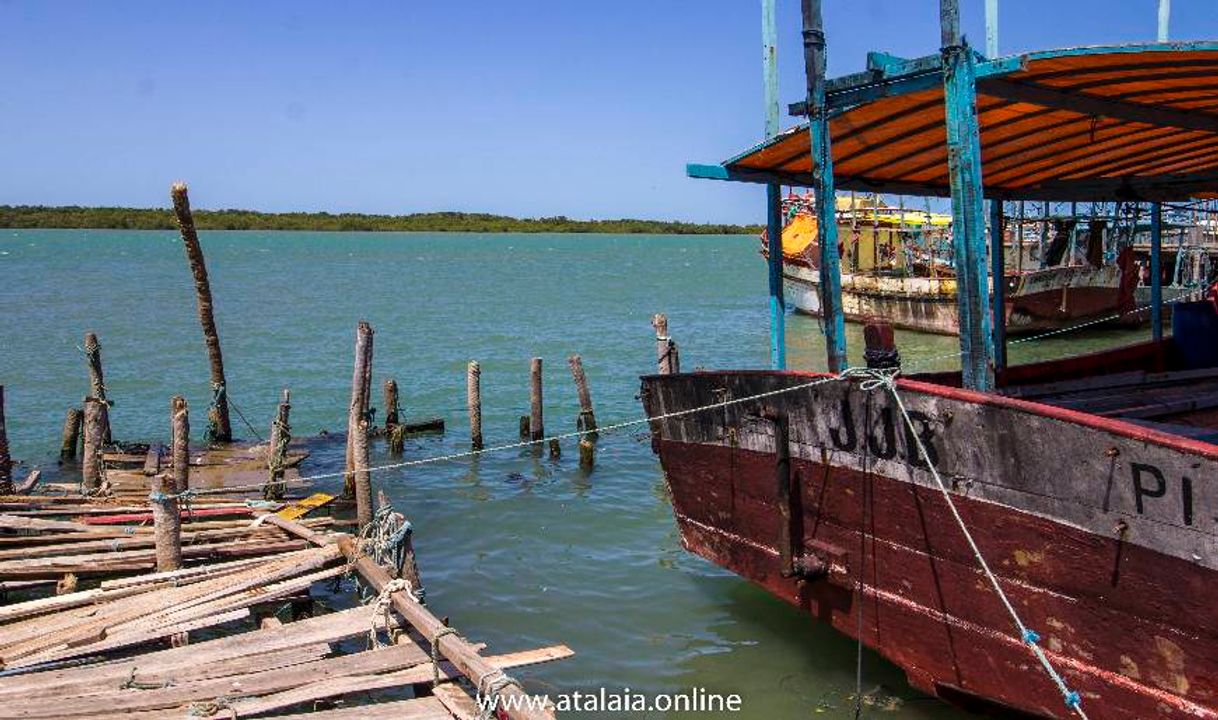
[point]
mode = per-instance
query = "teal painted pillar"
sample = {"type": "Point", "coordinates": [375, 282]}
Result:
{"type": "Point", "coordinates": [968, 215]}
{"type": "Point", "coordinates": [1156, 271]}
{"type": "Point", "coordinates": [998, 286]}
{"type": "Point", "coordinates": [822, 180]}
{"type": "Point", "coordinates": [778, 306]}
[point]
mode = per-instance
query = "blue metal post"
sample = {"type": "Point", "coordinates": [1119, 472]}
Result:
{"type": "Point", "coordinates": [1156, 271]}
{"type": "Point", "coordinates": [998, 286]}
{"type": "Point", "coordinates": [822, 180]}
{"type": "Point", "coordinates": [778, 308]}
{"type": "Point", "coordinates": [968, 215]}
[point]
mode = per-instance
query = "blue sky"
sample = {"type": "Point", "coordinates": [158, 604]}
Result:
{"type": "Point", "coordinates": [587, 109]}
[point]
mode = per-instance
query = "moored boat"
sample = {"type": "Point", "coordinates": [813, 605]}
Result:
{"type": "Point", "coordinates": [1042, 538]}
{"type": "Point", "coordinates": [893, 271]}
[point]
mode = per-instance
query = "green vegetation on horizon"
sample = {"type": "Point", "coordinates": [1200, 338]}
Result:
{"type": "Point", "coordinates": [37, 216]}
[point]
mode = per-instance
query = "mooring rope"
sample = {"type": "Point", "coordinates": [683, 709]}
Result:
{"type": "Point", "coordinates": [886, 380]}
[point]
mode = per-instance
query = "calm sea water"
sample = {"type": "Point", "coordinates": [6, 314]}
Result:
{"type": "Point", "coordinates": [518, 551]}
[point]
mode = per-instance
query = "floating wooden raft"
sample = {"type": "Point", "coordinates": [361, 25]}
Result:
{"type": "Point", "coordinates": [105, 651]}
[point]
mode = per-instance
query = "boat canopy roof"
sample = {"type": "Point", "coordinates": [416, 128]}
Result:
{"type": "Point", "coordinates": [1130, 122]}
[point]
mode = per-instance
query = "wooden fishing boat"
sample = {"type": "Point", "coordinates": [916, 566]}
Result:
{"type": "Point", "coordinates": [1094, 499]}
{"type": "Point", "coordinates": [895, 273]}
{"type": "Point", "coordinates": [1040, 538]}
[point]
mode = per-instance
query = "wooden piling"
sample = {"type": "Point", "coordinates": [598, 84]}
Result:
{"type": "Point", "coordinates": [363, 479]}
{"type": "Point", "coordinates": [219, 428]}
{"type": "Point", "coordinates": [166, 520]}
{"type": "Point", "coordinates": [536, 425]}
{"type": "Point", "coordinates": [277, 455]}
{"type": "Point", "coordinates": [71, 434]}
{"type": "Point", "coordinates": [179, 452]}
{"type": "Point", "coordinates": [587, 453]}
{"type": "Point", "coordinates": [94, 429]}
{"type": "Point", "coordinates": [555, 449]}
{"type": "Point", "coordinates": [97, 380]}
{"type": "Point", "coordinates": [473, 399]}
{"type": "Point", "coordinates": [586, 422]}
{"type": "Point", "coordinates": [524, 428]}
{"type": "Point", "coordinates": [668, 360]}
{"type": "Point", "coordinates": [391, 404]}
{"type": "Point", "coordinates": [358, 410]}
{"type": "Point", "coordinates": [6, 460]}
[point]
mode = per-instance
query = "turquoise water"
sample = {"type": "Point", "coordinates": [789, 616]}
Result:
{"type": "Point", "coordinates": [518, 551]}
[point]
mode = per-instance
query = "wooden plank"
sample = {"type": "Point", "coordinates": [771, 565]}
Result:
{"type": "Point", "coordinates": [297, 510]}
{"type": "Point", "coordinates": [426, 708]}
{"type": "Point", "coordinates": [329, 628]}
{"type": "Point", "coordinates": [457, 701]}
{"type": "Point", "coordinates": [424, 672]}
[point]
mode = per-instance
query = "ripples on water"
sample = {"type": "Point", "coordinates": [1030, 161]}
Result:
{"type": "Point", "coordinates": [519, 551]}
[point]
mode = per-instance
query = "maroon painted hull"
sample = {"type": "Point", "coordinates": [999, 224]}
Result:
{"type": "Point", "coordinates": [1130, 617]}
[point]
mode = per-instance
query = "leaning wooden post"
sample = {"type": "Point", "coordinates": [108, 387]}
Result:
{"type": "Point", "coordinates": [219, 429]}
{"type": "Point", "coordinates": [1156, 271]}
{"type": "Point", "coordinates": [97, 381]}
{"type": "Point", "coordinates": [166, 521]}
{"type": "Point", "coordinates": [277, 456]}
{"type": "Point", "coordinates": [587, 418]}
{"type": "Point", "coordinates": [94, 429]}
{"type": "Point", "coordinates": [359, 400]}
{"type": "Point", "coordinates": [71, 434]}
{"type": "Point", "coordinates": [968, 213]}
{"type": "Point", "coordinates": [6, 460]}
{"type": "Point", "coordinates": [778, 309]}
{"type": "Point", "coordinates": [363, 479]}
{"type": "Point", "coordinates": [668, 361]}
{"type": "Point", "coordinates": [830, 265]}
{"type": "Point", "coordinates": [536, 426]}
{"type": "Point", "coordinates": [180, 444]}
{"type": "Point", "coordinates": [473, 398]}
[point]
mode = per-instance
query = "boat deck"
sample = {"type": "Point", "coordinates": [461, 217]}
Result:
{"type": "Point", "coordinates": [1182, 403]}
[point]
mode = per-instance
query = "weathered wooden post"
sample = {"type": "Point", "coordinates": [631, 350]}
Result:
{"type": "Point", "coordinates": [358, 410]}
{"type": "Point", "coordinates": [587, 418]}
{"type": "Point", "coordinates": [968, 213]}
{"type": "Point", "coordinates": [473, 399]}
{"type": "Point", "coordinates": [555, 449]}
{"type": "Point", "coordinates": [71, 434]}
{"type": "Point", "coordinates": [97, 381]}
{"type": "Point", "coordinates": [94, 431]}
{"type": "Point", "coordinates": [277, 456]}
{"type": "Point", "coordinates": [395, 431]}
{"type": "Point", "coordinates": [668, 361]}
{"type": "Point", "coordinates": [363, 478]}
{"type": "Point", "coordinates": [524, 428]}
{"type": "Point", "coordinates": [830, 266]}
{"type": "Point", "coordinates": [180, 444]}
{"type": "Point", "coordinates": [219, 429]}
{"type": "Point", "coordinates": [391, 404]}
{"type": "Point", "coordinates": [778, 308]}
{"type": "Point", "coordinates": [587, 453]}
{"type": "Point", "coordinates": [166, 521]}
{"type": "Point", "coordinates": [536, 424]}
{"type": "Point", "coordinates": [6, 460]}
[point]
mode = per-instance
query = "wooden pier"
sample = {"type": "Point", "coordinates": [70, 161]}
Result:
{"type": "Point", "coordinates": [92, 629]}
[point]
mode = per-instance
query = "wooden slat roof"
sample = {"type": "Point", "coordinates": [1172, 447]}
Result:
{"type": "Point", "coordinates": [1127, 122]}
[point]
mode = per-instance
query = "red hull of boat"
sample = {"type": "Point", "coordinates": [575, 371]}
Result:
{"type": "Point", "coordinates": [1133, 630]}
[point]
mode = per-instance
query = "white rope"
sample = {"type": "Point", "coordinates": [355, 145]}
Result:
{"type": "Point", "coordinates": [886, 380]}
{"type": "Point", "coordinates": [380, 609]}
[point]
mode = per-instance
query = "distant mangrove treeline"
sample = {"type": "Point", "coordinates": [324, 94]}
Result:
{"type": "Point", "coordinates": [37, 216]}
